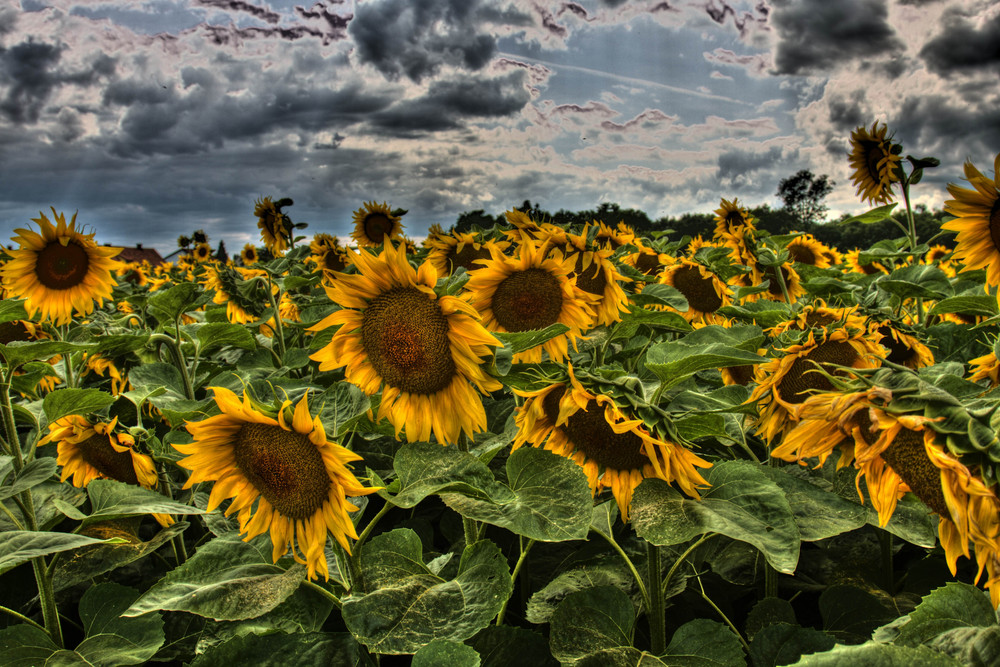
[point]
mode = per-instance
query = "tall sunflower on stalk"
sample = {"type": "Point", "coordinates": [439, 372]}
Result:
{"type": "Point", "coordinates": [275, 227]}
{"type": "Point", "coordinates": [977, 221]}
{"type": "Point", "coordinates": [598, 277]}
{"type": "Point", "coordinates": [424, 352]}
{"type": "Point", "coordinates": [614, 448]}
{"type": "Point", "coordinates": [59, 270]}
{"type": "Point", "coordinates": [875, 160]}
{"type": "Point", "coordinates": [281, 472]}
{"type": "Point", "coordinates": [87, 450]}
{"type": "Point", "coordinates": [897, 448]}
{"type": "Point", "coordinates": [373, 222]}
{"type": "Point", "coordinates": [447, 252]}
{"type": "Point", "coordinates": [530, 291]}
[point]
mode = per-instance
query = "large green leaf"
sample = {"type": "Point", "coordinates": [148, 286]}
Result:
{"type": "Point", "coordinates": [544, 601]}
{"type": "Point", "coordinates": [783, 644]}
{"type": "Point", "coordinates": [227, 579]}
{"type": "Point", "coordinates": [972, 646]}
{"type": "Point", "coordinates": [656, 294]}
{"type": "Point", "coordinates": [32, 474]}
{"type": "Point", "coordinates": [704, 643]}
{"type": "Point", "coordinates": [503, 645]}
{"type": "Point", "coordinates": [550, 498]}
{"type": "Point", "coordinates": [311, 649]}
{"type": "Point", "coordinates": [955, 605]}
{"type": "Point", "coordinates": [423, 469]}
{"type": "Point", "coordinates": [981, 305]}
{"type": "Point", "coordinates": [20, 546]}
{"type": "Point", "coordinates": [742, 503]}
{"type": "Point", "coordinates": [439, 652]}
{"type": "Point", "coordinates": [120, 344]}
{"type": "Point", "coordinates": [877, 214]}
{"type": "Point", "coordinates": [25, 646]}
{"type": "Point", "coordinates": [214, 335]}
{"type": "Point", "coordinates": [111, 639]}
{"type": "Point", "coordinates": [406, 605]}
{"type": "Point", "coordinates": [18, 353]}
{"type": "Point", "coordinates": [12, 309]}
{"type": "Point", "coordinates": [62, 402]}
{"type": "Point", "coordinates": [878, 655]}
{"type": "Point", "coordinates": [167, 305]}
{"type": "Point", "coordinates": [526, 340]}
{"type": "Point", "coordinates": [340, 406]}
{"type": "Point", "coordinates": [852, 614]}
{"type": "Point", "coordinates": [917, 281]}
{"type": "Point", "coordinates": [589, 621]}
{"type": "Point", "coordinates": [111, 499]}
{"type": "Point", "coordinates": [638, 317]}
{"type": "Point", "coordinates": [705, 348]}
{"type": "Point", "coordinates": [819, 513]}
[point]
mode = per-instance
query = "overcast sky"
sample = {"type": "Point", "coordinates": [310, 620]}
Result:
{"type": "Point", "coordinates": [153, 118]}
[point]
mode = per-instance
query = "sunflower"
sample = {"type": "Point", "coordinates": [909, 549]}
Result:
{"type": "Point", "coordinates": [793, 283]}
{"type": "Point", "coordinates": [874, 159]}
{"type": "Point", "coordinates": [783, 384]}
{"type": "Point", "coordinates": [133, 273]}
{"type": "Point", "coordinates": [608, 237]}
{"type": "Point", "coordinates": [249, 255]}
{"type": "Point", "coordinates": [598, 277]}
{"type": "Point", "coordinates": [616, 451]}
{"type": "Point", "coordinates": [223, 282]}
{"type": "Point", "coordinates": [704, 291]}
{"type": "Point", "coordinates": [328, 258]}
{"type": "Point", "coordinates": [447, 252]}
{"type": "Point", "coordinates": [853, 260]}
{"type": "Point", "coordinates": [731, 218]}
{"type": "Point", "coordinates": [299, 479]}
{"type": "Point", "coordinates": [425, 352]}
{"type": "Point", "coordinates": [977, 221]}
{"type": "Point", "coordinates": [805, 249]}
{"type": "Point", "coordinates": [647, 261]}
{"type": "Point", "coordinates": [59, 270]}
{"type": "Point", "coordinates": [202, 252]}
{"type": "Point", "coordinates": [275, 227]}
{"type": "Point", "coordinates": [903, 348]}
{"type": "Point", "coordinates": [819, 315]}
{"type": "Point", "coordinates": [986, 367]}
{"type": "Point", "coordinates": [100, 365]}
{"type": "Point", "coordinates": [524, 226]}
{"type": "Point", "coordinates": [88, 451]}
{"type": "Point", "coordinates": [529, 292]}
{"type": "Point", "coordinates": [373, 222]}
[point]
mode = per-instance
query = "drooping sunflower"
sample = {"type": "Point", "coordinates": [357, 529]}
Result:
{"type": "Point", "coordinates": [523, 226]}
{"type": "Point", "coordinates": [874, 159]}
{"type": "Point", "coordinates": [818, 314]}
{"type": "Point", "coordinates": [598, 277]}
{"type": "Point", "coordinates": [423, 351]}
{"type": "Point", "coordinates": [100, 364]}
{"type": "Point", "coordinates": [614, 237]}
{"type": "Point", "coordinates": [223, 281]}
{"type": "Point", "coordinates": [529, 291]}
{"type": "Point", "coordinates": [805, 249]}
{"type": "Point", "coordinates": [986, 367]}
{"type": "Point", "coordinates": [903, 348]}
{"type": "Point", "coordinates": [793, 283]}
{"type": "Point", "coordinates": [249, 255]}
{"type": "Point", "coordinates": [59, 270]}
{"type": "Point", "coordinates": [615, 450]}
{"type": "Point", "coordinates": [373, 222]}
{"type": "Point", "coordinates": [275, 227]}
{"type": "Point", "coordinates": [327, 254]}
{"type": "Point", "coordinates": [447, 252]}
{"type": "Point", "coordinates": [87, 451]}
{"type": "Point", "coordinates": [977, 221]}
{"type": "Point", "coordinates": [298, 479]}
{"type": "Point", "coordinates": [784, 383]}
{"type": "Point", "coordinates": [705, 292]}
{"type": "Point", "coordinates": [648, 261]}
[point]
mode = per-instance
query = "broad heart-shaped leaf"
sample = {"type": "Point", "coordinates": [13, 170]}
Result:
{"type": "Point", "coordinates": [308, 649]}
{"type": "Point", "coordinates": [111, 499]}
{"type": "Point", "coordinates": [214, 335]}
{"type": "Point", "coordinates": [25, 646]}
{"type": "Point", "coordinates": [981, 305]}
{"type": "Point", "coordinates": [62, 402]}
{"type": "Point", "coordinates": [742, 503]}
{"type": "Point", "coordinates": [88, 562]}
{"type": "Point", "coordinates": [661, 295]}
{"type": "Point", "coordinates": [32, 474]}
{"type": "Point", "coordinates": [424, 469]}
{"type": "Point", "coordinates": [227, 579]}
{"type": "Point", "coordinates": [406, 606]}
{"type": "Point", "coordinates": [340, 405]}
{"type": "Point", "coordinates": [709, 347]}
{"type": "Point", "coordinates": [170, 303]}
{"type": "Point", "coordinates": [504, 645]}
{"type": "Point", "coordinates": [544, 601]}
{"type": "Point", "coordinates": [446, 652]}
{"type": "Point", "coordinates": [783, 644]}
{"type": "Point", "coordinates": [955, 605]}
{"type": "Point", "coordinates": [877, 214]}
{"type": "Point", "coordinates": [20, 546]}
{"type": "Point", "coordinates": [917, 280]}
{"type": "Point", "coordinates": [551, 498]}
{"type": "Point", "coordinates": [12, 309]}
{"type": "Point", "coordinates": [525, 340]}
{"type": "Point", "coordinates": [590, 621]}
{"type": "Point", "coordinates": [157, 375]}
{"type": "Point", "coordinates": [111, 639]}
{"type": "Point", "coordinates": [119, 344]}
{"type": "Point", "coordinates": [638, 317]}
{"type": "Point", "coordinates": [878, 655]}
{"type": "Point", "coordinates": [704, 643]}
{"type": "Point", "coordinates": [819, 514]}
{"type": "Point", "coordinates": [18, 353]}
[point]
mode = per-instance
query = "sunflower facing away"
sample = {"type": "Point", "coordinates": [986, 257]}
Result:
{"type": "Point", "coordinates": [530, 291]}
{"type": "Point", "coordinates": [874, 164]}
{"type": "Point", "coordinates": [423, 351]}
{"type": "Point", "coordinates": [373, 222]}
{"type": "Point", "coordinates": [298, 479]}
{"type": "Point", "coordinates": [59, 270]}
{"type": "Point", "coordinates": [615, 451]}
{"type": "Point", "coordinates": [977, 221]}
{"type": "Point", "coordinates": [275, 227]}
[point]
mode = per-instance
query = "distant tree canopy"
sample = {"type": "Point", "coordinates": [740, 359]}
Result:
{"type": "Point", "coordinates": [803, 195]}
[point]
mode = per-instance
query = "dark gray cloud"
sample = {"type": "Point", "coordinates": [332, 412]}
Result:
{"type": "Point", "coordinates": [738, 166]}
{"type": "Point", "coordinates": [817, 35]}
{"type": "Point", "coordinates": [961, 45]}
{"type": "Point", "coordinates": [448, 101]}
{"type": "Point", "coordinates": [939, 125]}
{"type": "Point", "coordinates": [720, 11]}
{"type": "Point", "coordinates": [415, 38]}
{"type": "Point", "coordinates": [257, 11]}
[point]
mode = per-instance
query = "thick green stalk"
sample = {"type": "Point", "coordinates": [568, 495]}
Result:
{"type": "Point", "coordinates": [525, 548]}
{"type": "Point", "coordinates": [279, 330]}
{"type": "Point", "coordinates": [469, 526]}
{"type": "Point", "coordinates": [178, 356]}
{"type": "Point", "coordinates": [655, 614]}
{"type": "Point", "coordinates": [630, 565]}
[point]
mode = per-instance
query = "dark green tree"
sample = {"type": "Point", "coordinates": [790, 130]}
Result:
{"type": "Point", "coordinates": [803, 195]}
{"type": "Point", "coordinates": [221, 253]}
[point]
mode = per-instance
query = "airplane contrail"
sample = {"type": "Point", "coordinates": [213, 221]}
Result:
{"type": "Point", "coordinates": [618, 77]}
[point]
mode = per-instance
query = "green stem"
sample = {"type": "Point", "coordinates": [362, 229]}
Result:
{"type": "Point", "coordinates": [20, 617]}
{"type": "Point", "coordinates": [656, 611]}
{"type": "Point", "coordinates": [781, 281]}
{"type": "Point", "coordinates": [683, 557]}
{"type": "Point", "coordinates": [911, 233]}
{"type": "Point", "coordinates": [325, 593]}
{"type": "Point", "coordinates": [513, 577]}
{"type": "Point", "coordinates": [68, 365]}
{"type": "Point", "coordinates": [10, 515]}
{"type": "Point", "coordinates": [469, 526]}
{"type": "Point", "coordinates": [631, 566]}
{"type": "Point", "coordinates": [279, 330]}
{"type": "Point", "coordinates": [746, 647]}
{"type": "Point", "coordinates": [371, 525]}
{"type": "Point", "coordinates": [178, 356]}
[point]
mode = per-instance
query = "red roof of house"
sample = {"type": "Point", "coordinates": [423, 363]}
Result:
{"type": "Point", "coordinates": [138, 254]}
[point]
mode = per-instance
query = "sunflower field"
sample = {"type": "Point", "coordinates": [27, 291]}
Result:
{"type": "Point", "coordinates": [522, 445]}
